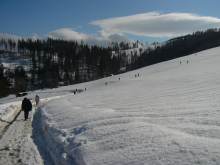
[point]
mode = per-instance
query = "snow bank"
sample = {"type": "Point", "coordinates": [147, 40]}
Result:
{"type": "Point", "coordinates": [9, 110]}
{"type": "Point", "coordinates": [50, 142]}
{"type": "Point", "coordinates": [168, 115]}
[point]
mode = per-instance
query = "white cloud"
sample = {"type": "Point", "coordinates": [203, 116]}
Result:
{"type": "Point", "coordinates": [72, 35]}
{"type": "Point", "coordinates": [68, 34]}
{"type": "Point", "coordinates": [154, 24]}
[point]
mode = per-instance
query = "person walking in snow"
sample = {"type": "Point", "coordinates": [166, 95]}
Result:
{"type": "Point", "coordinates": [37, 100]}
{"type": "Point", "coordinates": [26, 107]}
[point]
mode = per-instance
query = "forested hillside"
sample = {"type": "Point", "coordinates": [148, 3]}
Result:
{"type": "Point", "coordinates": [50, 62]}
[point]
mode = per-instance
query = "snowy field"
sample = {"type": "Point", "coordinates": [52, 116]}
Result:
{"type": "Point", "coordinates": [170, 114]}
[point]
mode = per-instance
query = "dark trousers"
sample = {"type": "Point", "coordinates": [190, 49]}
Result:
{"type": "Point", "coordinates": [26, 115]}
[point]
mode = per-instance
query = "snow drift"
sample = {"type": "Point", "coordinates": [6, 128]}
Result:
{"type": "Point", "coordinates": [8, 113]}
{"type": "Point", "coordinates": [170, 114]}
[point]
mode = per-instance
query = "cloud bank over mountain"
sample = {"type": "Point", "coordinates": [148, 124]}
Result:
{"type": "Point", "coordinates": [72, 35]}
{"type": "Point", "coordinates": [155, 24]}
{"type": "Point", "coordinates": [151, 24]}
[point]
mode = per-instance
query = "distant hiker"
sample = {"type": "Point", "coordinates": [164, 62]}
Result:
{"type": "Point", "coordinates": [180, 62]}
{"type": "Point", "coordinates": [26, 107]}
{"type": "Point", "coordinates": [138, 74]}
{"type": "Point", "coordinates": [119, 78]}
{"type": "Point", "coordinates": [85, 89]}
{"type": "Point", "coordinates": [37, 100]}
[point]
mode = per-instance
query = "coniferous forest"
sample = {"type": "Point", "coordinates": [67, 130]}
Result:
{"type": "Point", "coordinates": [178, 47]}
{"type": "Point", "coordinates": [55, 62]}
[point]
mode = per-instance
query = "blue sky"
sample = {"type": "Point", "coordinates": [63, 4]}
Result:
{"type": "Point", "coordinates": [41, 17]}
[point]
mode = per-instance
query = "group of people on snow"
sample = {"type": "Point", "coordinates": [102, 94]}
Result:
{"type": "Point", "coordinates": [137, 75]}
{"type": "Point", "coordinates": [187, 61]}
{"type": "Point", "coordinates": [26, 106]}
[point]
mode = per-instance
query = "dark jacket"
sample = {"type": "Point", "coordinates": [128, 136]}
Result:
{"type": "Point", "coordinates": [26, 105]}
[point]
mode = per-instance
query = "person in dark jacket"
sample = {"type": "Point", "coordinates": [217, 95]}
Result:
{"type": "Point", "coordinates": [26, 107]}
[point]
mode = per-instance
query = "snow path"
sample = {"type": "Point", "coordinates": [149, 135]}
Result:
{"type": "Point", "coordinates": [16, 145]}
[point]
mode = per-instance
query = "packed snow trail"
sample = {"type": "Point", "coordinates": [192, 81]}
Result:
{"type": "Point", "coordinates": [16, 145]}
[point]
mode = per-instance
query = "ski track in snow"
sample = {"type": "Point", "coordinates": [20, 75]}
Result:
{"type": "Point", "coordinates": [16, 145]}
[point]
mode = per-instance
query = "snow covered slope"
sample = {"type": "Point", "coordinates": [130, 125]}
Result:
{"type": "Point", "coordinates": [170, 114]}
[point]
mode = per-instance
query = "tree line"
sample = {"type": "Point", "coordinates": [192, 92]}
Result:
{"type": "Point", "coordinates": [54, 62]}
{"type": "Point", "coordinates": [178, 47]}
